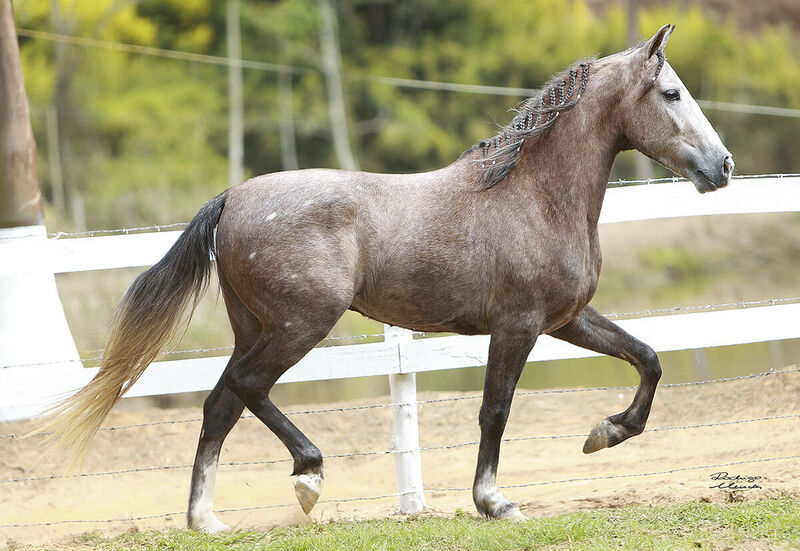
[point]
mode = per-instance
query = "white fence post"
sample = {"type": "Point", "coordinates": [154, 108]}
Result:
{"type": "Point", "coordinates": [405, 431]}
{"type": "Point", "coordinates": [33, 330]}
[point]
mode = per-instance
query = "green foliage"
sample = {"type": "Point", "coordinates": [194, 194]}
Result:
{"type": "Point", "coordinates": [147, 137]}
{"type": "Point", "coordinates": [771, 524]}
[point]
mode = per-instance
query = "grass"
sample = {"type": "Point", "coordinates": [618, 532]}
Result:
{"type": "Point", "coordinates": [770, 524]}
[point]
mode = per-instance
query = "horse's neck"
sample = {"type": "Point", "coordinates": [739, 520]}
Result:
{"type": "Point", "coordinates": [571, 163]}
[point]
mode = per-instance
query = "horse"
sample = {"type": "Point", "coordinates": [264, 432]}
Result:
{"type": "Point", "coordinates": [502, 242]}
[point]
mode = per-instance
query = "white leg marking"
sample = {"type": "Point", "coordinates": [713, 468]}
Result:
{"type": "Point", "coordinates": [201, 510]}
{"type": "Point", "coordinates": [493, 503]}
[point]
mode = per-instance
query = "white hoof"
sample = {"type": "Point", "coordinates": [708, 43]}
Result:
{"type": "Point", "coordinates": [512, 514]}
{"type": "Point", "coordinates": [308, 489]}
{"type": "Point", "coordinates": [209, 524]}
{"type": "Point", "coordinates": [493, 504]}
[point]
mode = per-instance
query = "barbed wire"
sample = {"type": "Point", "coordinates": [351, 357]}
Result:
{"type": "Point", "coordinates": [400, 494]}
{"type": "Point", "coordinates": [741, 304]}
{"type": "Point", "coordinates": [123, 231]}
{"type": "Point", "coordinates": [521, 393]}
{"type": "Point", "coordinates": [396, 82]}
{"type": "Point", "coordinates": [114, 231]}
{"type": "Point", "coordinates": [631, 475]}
{"type": "Point", "coordinates": [749, 109]}
{"type": "Point", "coordinates": [160, 227]}
{"type": "Point", "coordinates": [322, 344]}
{"type": "Point", "coordinates": [442, 447]}
{"type": "Point", "coordinates": [162, 52]}
{"type": "Point", "coordinates": [441, 86]}
{"type": "Point", "coordinates": [674, 179]}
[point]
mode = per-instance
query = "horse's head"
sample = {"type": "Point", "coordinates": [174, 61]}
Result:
{"type": "Point", "coordinates": [662, 120]}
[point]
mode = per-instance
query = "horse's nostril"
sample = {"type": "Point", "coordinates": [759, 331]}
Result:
{"type": "Point", "coordinates": [727, 166]}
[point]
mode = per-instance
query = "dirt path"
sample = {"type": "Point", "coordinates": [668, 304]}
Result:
{"type": "Point", "coordinates": [443, 423]}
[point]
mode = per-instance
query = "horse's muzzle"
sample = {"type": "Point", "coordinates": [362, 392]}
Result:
{"type": "Point", "coordinates": [711, 178]}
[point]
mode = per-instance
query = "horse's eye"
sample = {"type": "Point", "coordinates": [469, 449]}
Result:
{"type": "Point", "coordinates": [672, 95]}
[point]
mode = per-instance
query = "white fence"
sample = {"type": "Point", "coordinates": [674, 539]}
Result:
{"type": "Point", "coordinates": [400, 355]}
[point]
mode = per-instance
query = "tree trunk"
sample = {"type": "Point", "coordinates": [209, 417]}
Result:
{"type": "Point", "coordinates": [66, 64]}
{"type": "Point", "coordinates": [288, 145]}
{"type": "Point", "coordinates": [54, 160]}
{"type": "Point", "coordinates": [20, 199]}
{"type": "Point", "coordinates": [33, 328]}
{"type": "Point", "coordinates": [235, 97]}
{"type": "Point", "coordinates": [333, 76]}
{"type": "Point", "coordinates": [644, 166]}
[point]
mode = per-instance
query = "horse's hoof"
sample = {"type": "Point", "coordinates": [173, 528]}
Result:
{"type": "Point", "coordinates": [512, 514]}
{"type": "Point", "coordinates": [492, 504]}
{"type": "Point", "coordinates": [598, 438]}
{"type": "Point", "coordinates": [210, 524]}
{"type": "Point", "coordinates": [308, 489]}
{"type": "Point", "coordinates": [605, 435]}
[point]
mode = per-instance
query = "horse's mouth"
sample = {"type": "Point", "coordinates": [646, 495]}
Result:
{"type": "Point", "coordinates": [703, 183]}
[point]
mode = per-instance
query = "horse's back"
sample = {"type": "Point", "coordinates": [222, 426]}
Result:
{"type": "Point", "coordinates": [370, 240]}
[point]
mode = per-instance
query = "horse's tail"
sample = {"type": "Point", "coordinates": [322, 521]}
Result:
{"type": "Point", "coordinates": [147, 318]}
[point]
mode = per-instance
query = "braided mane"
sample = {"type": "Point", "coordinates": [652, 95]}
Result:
{"type": "Point", "coordinates": [533, 117]}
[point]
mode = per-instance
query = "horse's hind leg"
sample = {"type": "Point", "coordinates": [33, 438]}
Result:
{"type": "Point", "coordinates": [252, 378]}
{"type": "Point", "coordinates": [593, 331]}
{"type": "Point", "coordinates": [221, 411]}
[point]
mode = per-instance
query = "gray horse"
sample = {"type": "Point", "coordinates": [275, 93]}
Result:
{"type": "Point", "coordinates": [501, 242]}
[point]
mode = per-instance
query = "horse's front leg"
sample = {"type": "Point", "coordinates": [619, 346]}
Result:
{"type": "Point", "coordinates": [508, 351]}
{"type": "Point", "coordinates": [593, 331]}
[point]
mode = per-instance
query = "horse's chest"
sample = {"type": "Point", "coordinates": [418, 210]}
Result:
{"type": "Point", "coordinates": [559, 284]}
{"type": "Point", "coordinates": [575, 283]}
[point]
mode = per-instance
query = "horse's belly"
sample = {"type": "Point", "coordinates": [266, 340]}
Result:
{"type": "Point", "coordinates": [435, 310]}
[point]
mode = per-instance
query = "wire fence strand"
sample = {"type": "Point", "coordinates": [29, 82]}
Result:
{"type": "Point", "coordinates": [397, 82]}
{"type": "Point", "coordinates": [330, 341]}
{"type": "Point", "coordinates": [703, 308]}
{"type": "Point", "coordinates": [326, 342]}
{"type": "Point", "coordinates": [400, 494]}
{"type": "Point", "coordinates": [630, 475]}
{"type": "Point", "coordinates": [441, 400]}
{"type": "Point", "coordinates": [380, 452]}
{"type": "Point", "coordinates": [163, 227]}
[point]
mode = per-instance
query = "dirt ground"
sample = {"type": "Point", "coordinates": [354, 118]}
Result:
{"type": "Point", "coordinates": [154, 492]}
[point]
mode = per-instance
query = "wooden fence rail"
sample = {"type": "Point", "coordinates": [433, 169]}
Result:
{"type": "Point", "coordinates": [401, 356]}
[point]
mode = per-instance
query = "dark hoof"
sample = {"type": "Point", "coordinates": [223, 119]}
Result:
{"type": "Point", "coordinates": [605, 435]}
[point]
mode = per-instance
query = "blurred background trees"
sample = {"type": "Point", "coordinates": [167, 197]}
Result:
{"type": "Point", "coordinates": [138, 137]}
{"type": "Point", "coordinates": [131, 113]}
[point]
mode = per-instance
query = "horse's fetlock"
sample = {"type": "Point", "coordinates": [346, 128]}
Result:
{"type": "Point", "coordinates": [308, 461]}
{"type": "Point", "coordinates": [635, 429]}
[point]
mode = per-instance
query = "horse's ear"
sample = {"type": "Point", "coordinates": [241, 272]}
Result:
{"type": "Point", "coordinates": [658, 42]}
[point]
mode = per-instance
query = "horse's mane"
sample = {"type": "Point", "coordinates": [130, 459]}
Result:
{"type": "Point", "coordinates": [534, 116]}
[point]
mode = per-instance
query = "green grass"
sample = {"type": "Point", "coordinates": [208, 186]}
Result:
{"type": "Point", "coordinates": [770, 524]}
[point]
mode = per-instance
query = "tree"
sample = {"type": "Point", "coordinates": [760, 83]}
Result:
{"type": "Point", "coordinates": [235, 99]}
{"type": "Point", "coordinates": [20, 199]}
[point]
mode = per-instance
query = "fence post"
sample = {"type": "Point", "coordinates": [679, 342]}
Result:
{"type": "Point", "coordinates": [405, 431]}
